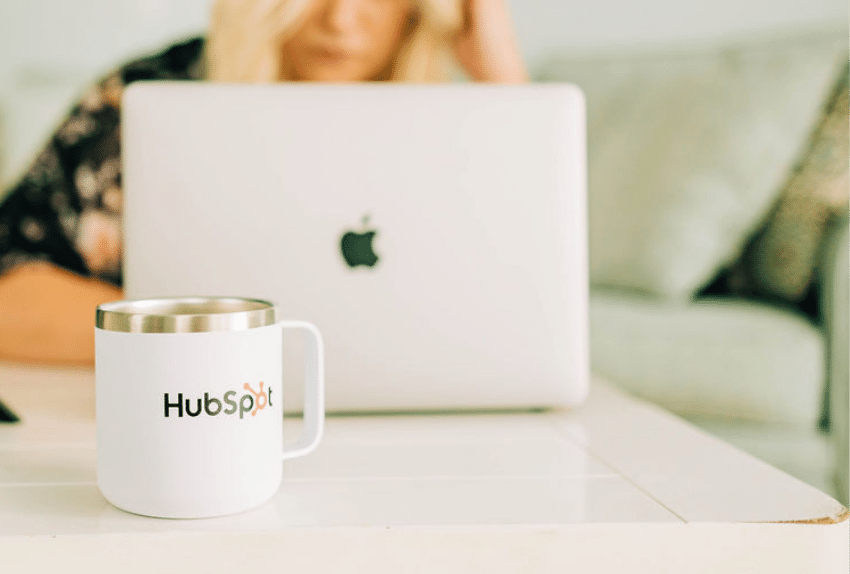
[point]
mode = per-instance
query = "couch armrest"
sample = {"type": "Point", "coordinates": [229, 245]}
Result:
{"type": "Point", "coordinates": [836, 305]}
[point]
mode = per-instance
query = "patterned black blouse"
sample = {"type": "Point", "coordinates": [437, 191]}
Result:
{"type": "Point", "coordinates": [66, 209]}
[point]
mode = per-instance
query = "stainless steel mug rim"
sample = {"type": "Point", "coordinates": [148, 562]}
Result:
{"type": "Point", "coordinates": [184, 315]}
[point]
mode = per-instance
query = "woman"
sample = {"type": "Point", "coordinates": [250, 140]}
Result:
{"type": "Point", "coordinates": [60, 242]}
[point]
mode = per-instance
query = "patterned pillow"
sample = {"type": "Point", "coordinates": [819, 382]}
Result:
{"type": "Point", "coordinates": [781, 258]}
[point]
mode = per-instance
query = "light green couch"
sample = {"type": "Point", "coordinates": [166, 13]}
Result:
{"type": "Point", "coordinates": [688, 149]}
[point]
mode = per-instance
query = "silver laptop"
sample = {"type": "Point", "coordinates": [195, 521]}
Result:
{"type": "Point", "coordinates": [436, 235]}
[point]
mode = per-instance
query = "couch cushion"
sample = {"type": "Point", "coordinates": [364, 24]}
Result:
{"type": "Point", "coordinates": [687, 151]}
{"type": "Point", "coordinates": [726, 358]}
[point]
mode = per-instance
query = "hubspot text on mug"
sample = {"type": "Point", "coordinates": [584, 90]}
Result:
{"type": "Point", "coordinates": [189, 404]}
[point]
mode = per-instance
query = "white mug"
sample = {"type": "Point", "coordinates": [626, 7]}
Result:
{"type": "Point", "coordinates": [189, 404]}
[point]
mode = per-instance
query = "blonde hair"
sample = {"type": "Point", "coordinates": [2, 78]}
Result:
{"type": "Point", "coordinates": [245, 39]}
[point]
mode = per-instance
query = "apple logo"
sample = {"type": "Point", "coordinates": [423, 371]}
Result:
{"type": "Point", "coordinates": [357, 247]}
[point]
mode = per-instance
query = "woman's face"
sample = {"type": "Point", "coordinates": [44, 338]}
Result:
{"type": "Point", "coordinates": [347, 40]}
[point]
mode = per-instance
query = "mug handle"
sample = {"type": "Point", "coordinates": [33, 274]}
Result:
{"type": "Point", "coordinates": [314, 389]}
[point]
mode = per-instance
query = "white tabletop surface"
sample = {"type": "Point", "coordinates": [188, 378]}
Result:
{"type": "Point", "coordinates": [614, 486]}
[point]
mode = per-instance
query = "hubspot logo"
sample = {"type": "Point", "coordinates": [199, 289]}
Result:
{"type": "Point", "coordinates": [261, 398]}
{"type": "Point", "coordinates": [250, 402]}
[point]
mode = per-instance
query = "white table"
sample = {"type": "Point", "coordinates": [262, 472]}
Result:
{"type": "Point", "coordinates": [616, 486]}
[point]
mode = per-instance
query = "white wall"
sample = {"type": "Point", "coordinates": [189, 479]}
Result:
{"type": "Point", "coordinates": [75, 35]}
{"type": "Point", "coordinates": [49, 49]}
{"type": "Point", "coordinates": [545, 26]}
{"type": "Point", "coordinates": [92, 34]}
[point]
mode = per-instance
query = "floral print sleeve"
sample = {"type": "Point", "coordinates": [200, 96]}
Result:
{"type": "Point", "coordinates": [66, 209]}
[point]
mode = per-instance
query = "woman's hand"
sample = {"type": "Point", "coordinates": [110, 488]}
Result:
{"type": "Point", "coordinates": [487, 47]}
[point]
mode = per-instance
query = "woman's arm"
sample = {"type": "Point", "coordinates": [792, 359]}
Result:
{"type": "Point", "coordinates": [61, 222]}
{"type": "Point", "coordinates": [48, 314]}
{"type": "Point", "coordinates": [55, 226]}
{"type": "Point", "coordinates": [487, 47]}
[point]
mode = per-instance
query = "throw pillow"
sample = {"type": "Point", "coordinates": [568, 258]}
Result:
{"type": "Point", "coordinates": [780, 261]}
{"type": "Point", "coordinates": [688, 149]}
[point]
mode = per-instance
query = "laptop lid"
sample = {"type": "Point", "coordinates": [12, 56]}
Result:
{"type": "Point", "coordinates": [435, 234]}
